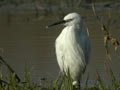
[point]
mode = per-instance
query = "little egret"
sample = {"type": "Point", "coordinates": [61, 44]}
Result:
{"type": "Point", "coordinates": [72, 47]}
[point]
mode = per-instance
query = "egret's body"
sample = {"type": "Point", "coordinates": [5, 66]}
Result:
{"type": "Point", "coordinates": [73, 47]}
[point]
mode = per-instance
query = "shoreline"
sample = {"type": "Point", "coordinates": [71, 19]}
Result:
{"type": "Point", "coordinates": [46, 7]}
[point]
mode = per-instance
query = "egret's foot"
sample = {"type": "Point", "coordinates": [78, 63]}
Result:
{"type": "Point", "coordinates": [76, 84]}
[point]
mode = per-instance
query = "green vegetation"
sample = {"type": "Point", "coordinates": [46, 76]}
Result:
{"type": "Point", "coordinates": [61, 83]}
{"type": "Point", "coordinates": [12, 82]}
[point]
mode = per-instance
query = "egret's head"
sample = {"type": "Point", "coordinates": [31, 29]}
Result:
{"type": "Point", "coordinates": [70, 19]}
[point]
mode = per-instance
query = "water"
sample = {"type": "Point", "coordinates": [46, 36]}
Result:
{"type": "Point", "coordinates": [26, 43]}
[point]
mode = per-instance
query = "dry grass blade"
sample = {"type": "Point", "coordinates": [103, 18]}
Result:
{"type": "Point", "coordinates": [106, 70]}
{"type": "Point", "coordinates": [100, 81]}
{"type": "Point", "coordinates": [106, 46]}
{"type": "Point", "coordinates": [94, 11]}
{"type": "Point", "coordinates": [107, 35]}
{"type": "Point", "coordinates": [9, 67]}
{"type": "Point", "coordinates": [1, 81]}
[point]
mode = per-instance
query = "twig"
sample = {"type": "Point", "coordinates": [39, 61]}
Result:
{"type": "Point", "coordinates": [9, 67]}
{"type": "Point", "coordinates": [2, 81]}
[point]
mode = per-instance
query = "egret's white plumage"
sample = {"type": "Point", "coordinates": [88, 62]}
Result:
{"type": "Point", "coordinates": [72, 47]}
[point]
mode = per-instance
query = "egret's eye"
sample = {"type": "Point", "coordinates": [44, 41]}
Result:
{"type": "Point", "coordinates": [69, 20]}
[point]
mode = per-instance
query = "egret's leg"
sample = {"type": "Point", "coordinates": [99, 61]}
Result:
{"type": "Point", "coordinates": [59, 74]}
{"type": "Point", "coordinates": [79, 84]}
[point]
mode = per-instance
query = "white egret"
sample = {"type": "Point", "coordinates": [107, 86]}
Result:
{"type": "Point", "coordinates": [72, 47]}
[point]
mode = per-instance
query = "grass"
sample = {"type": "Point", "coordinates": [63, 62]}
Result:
{"type": "Point", "coordinates": [61, 83]}
{"type": "Point", "coordinates": [64, 82]}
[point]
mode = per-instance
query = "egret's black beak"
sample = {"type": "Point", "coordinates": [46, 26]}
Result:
{"type": "Point", "coordinates": [60, 22]}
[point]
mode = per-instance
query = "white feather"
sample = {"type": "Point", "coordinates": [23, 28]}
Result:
{"type": "Point", "coordinates": [73, 47]}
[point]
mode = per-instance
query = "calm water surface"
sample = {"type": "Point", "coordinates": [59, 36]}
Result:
{"type": "Point", "coordinates": [26, 43]}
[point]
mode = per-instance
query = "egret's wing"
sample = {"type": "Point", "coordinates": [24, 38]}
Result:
{"type": "Point", "coordinates": [86, 46]}
{"type": "Point", "coordinates": [84, 43]}
{"type": "Point", "coordinates": [87, 32]}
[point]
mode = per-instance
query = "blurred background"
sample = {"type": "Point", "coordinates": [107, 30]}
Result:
{"type": "Point", "coordinates": [26, 43]}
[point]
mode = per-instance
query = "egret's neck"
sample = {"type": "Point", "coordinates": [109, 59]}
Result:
{"type": "Point", "coordinates": [75, 28]}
